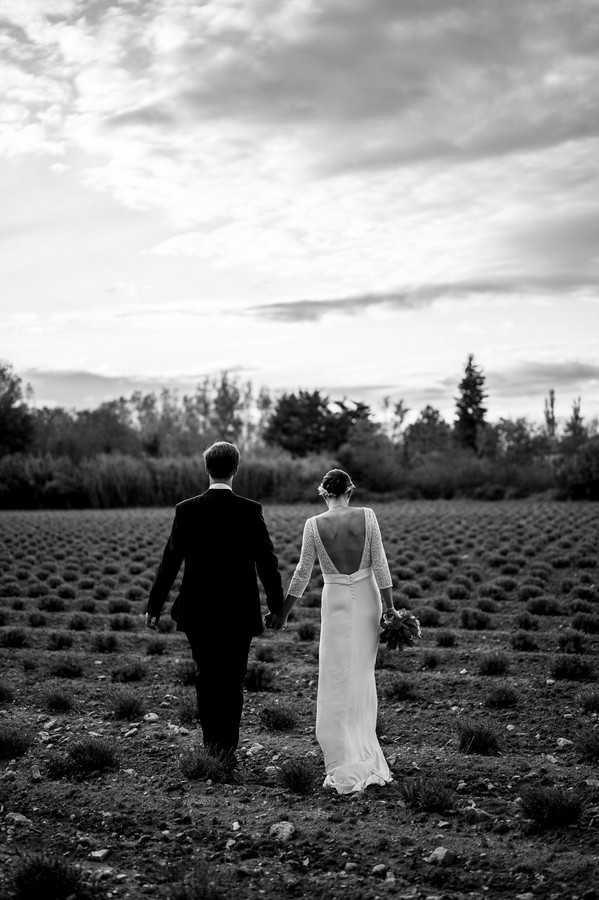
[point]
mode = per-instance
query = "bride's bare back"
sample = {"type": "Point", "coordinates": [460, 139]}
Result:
{"type": "Point", "coordinates": [342, 534]}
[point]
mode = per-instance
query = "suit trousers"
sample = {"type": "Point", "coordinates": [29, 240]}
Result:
{"type": "Point", "coordinates": [221, 665]}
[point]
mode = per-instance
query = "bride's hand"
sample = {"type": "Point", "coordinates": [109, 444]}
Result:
{"type": "Point", "coordinates": [389, 615]}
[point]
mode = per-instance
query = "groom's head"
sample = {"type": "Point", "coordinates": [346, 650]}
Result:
{"type": "Point", "coordinates": [221, 460]}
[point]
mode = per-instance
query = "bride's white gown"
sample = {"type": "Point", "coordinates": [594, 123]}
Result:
{"type": "Point", "coordinates": [346, 708]}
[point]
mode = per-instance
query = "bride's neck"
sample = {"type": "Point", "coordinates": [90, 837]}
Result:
{"type": "Point", "coordinates": [338, 504]}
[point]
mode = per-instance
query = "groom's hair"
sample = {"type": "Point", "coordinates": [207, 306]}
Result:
{"type": "Point", "coordinates": [221, 459]}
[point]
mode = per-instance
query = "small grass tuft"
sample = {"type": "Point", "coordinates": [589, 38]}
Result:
{"type": "Point", "coordinates": [85, 757]}
{"type": "Point", "coordinates": [278, 717]}
{"type": "Point", "coordinates": [551, 807]}
{"type": "Point", "coordinates": [13, 741]}
{"type": "Point", "coordinates": [426, 794]}
{"type": "Point", "coordinates": [127, 705]}
{"type": "Point", "coordinates": [572, 668]}
{"type": "Point", "coordinates": [503, 697]}
{"type": "Point", "coordinates": [41, 875]}
{"type": "Point", "coordinates": [493, 663]}
{"type": "Point", "coordinates": [476, 738]}
{"type": "Point", "coordinates": [197, 764]}
{"type": "Point", "coordinates": [259, 677]}
{"type": "Point", "coordinates": [298, 775]}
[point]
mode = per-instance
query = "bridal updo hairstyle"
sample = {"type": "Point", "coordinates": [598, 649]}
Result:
{"type": "Point", "coordinates": [335, 483]}
{"type": "Point", "coordinates": [221, 459]}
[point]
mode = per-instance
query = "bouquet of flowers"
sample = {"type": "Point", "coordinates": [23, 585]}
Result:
{"type": "Point", "coordinates": [400, 631]}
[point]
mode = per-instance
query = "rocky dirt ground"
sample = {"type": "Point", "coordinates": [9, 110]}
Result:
{"type": "Point", "coordinates": [73, 582]}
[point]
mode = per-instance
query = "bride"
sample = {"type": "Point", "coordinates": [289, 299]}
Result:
{"type": "Point", "coordinates": [347, 542]}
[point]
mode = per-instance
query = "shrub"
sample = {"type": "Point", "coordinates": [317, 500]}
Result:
{"type": "Point", "coordinates": [36, 620]}
{"type": "Point", "coordinates": [475, 738]}
{"type": "Point", "coordinates": [544, 606]}
{"type": "Point", "coordinates": [426, 794]}
{"type": "Point", "coordinates": [259, 677]}
{"type": "Point", "coordinates": [41, 875]}
{"type": "Point", "coordinates": [119, 606]}
{"type": "Point", "coordinates": [529, 591]}
{"type": "Point", "coordinates": [493, 663]}
{"type": "Point", "coordinates": [401, 689]}
{"type": "Point", "coordinates": [67, 667]}
{"type": "Point", "coordinates": [278, 717]}
{"type": "Point", "coordinates": [428, 617]}
{"type": "Point", "coordinates": [13, 741]}
{"type": "Point", "coordinates": [502, 697]}
{"type": "Point", "coordinates": [457, 592]}
{"type": "Point", "coordinates": [52, 604]}
{"type": "Point", "coordinates": [298, 776]}
{"type": "Point", "coordinates": [572, 668]}
{"type": "Point", "coordinates": [155, 647]}
{"type": "Point", "coordinates": [87, 606]}
{"type": "Point", "coordinates": [551, 807]}
{"type": "Point", "coordinates": [588, 747]}
{"type": "Point", "coordinates": [306, 631]}
{"type": "Point", "coordinates": [105, 643]}
{"type": "Point", "coordinates": [122, 623]}
{"type": "Point", "coordinates": [523, 642]}
{"type": "Point", "coordinates": [443, 604]}
{"type": "Point", "coordinates": [85, 757]}
{"type": "Point", "coordinates": [264, 653]}
{"type": "Point", "coordinates": [133, 671]}
{"type": "Point", "coordinates": [475, 620]}
{"type": "Point", "coordinates": [79, 622]}
{"type": "Point", "coordinates": [58, 701]}
{"type": "Point", "coordinates": [589, 701]}
{"type": "Point", "coordinates": [527, 622]}
{"type": "Point", "coordinates": [571, 641]}
{"type": "Point", "coordinates": [186, 673]}
{"type": "Point", "coordinates": [198, 764]}
{"type": "Point", "coordinates": [60, 640]}
{"type": "Point", "coordinates": [587, 623]}
{"type": "Point", "coordinates": [199, 885]}
{"type": "Point", "coordinates": [446, 639]}
{"type": "Point", "coordinates": [487, 605]}
{"type": "Point", "coordinates": [66, 592]}
{"type": "Point", "coordinates": [127, 705]}
{"type": "Point", "coordinates": [6, 694]}
{"type": "Point", "coordinates": [431, 659]}
{"type": "Point", "coordinates": [15, 638]}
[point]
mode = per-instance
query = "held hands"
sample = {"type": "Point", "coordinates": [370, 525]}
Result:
{"type": "Point", "coordinates": [274, 621]}
{"type": "Point", "coordinates": [151, 621]}
{"type": "Point", "coordinates": [278, 620]}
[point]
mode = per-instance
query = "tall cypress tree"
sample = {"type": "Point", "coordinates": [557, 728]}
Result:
{"type": "Point", "coordinates": [470, 412]}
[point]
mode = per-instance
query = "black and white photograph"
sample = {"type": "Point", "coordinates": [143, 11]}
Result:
{"type": "Point", "coordinates": [299, 449]}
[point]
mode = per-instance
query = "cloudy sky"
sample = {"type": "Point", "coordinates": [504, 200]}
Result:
{"type": "Point", "coordinates": [333, 193]}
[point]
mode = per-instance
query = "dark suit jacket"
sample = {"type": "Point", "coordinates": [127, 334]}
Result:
{"type": "Point", "coordinates": [223, 540]}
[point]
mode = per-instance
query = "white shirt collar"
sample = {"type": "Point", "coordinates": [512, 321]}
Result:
{"type": "Point", "coordinates": [219, 486]}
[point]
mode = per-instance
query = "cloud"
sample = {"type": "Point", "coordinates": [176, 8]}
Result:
{"type": "Point", "coordinates": [416, 297]}
{"type": "Point", "coordinates": [538, 376]}
{"type": "Point", "coordinates": [83, 389]}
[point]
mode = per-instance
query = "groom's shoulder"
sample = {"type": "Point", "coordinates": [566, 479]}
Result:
{"type": "Point", "coordinates": [246, 503]}
{"type": "Point", "coordinates": [190, 502]}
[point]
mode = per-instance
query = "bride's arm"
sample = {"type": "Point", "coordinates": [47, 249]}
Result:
{"type": "Point", "coordinates": [380, 566]}
{"type": "Point", "coordinates": [303, 570]}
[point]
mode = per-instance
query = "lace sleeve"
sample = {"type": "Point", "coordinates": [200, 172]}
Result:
{"type": "Point", "coordinates": [303, 570]}
{"type": "Point", "coordinates": [378, 557]}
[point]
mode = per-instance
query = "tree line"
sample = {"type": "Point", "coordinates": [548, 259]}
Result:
{"type": "Point", "coordinates": [146, 448]}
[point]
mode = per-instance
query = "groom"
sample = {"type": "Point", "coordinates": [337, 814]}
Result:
{"type": "Point", "coordinates": [224, 540]}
